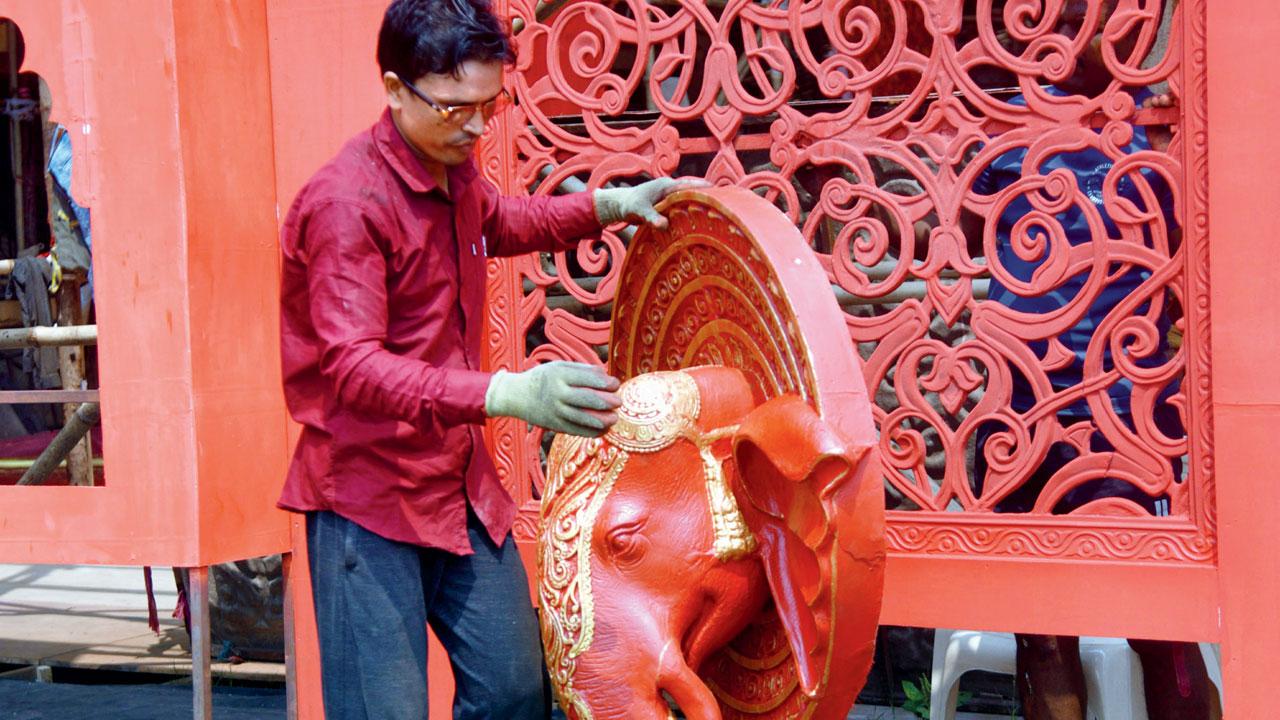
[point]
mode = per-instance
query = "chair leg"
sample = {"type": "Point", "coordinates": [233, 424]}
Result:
{"type": "Point", "coordinates": [942, 700]}
{"type": "Point", "coordinates": [942, 695]}
{"type": "Point", "coordinates": [1110, 668]}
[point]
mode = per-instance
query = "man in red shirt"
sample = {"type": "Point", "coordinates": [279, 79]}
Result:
{"type": "Point", "coordinates": [381, 314]}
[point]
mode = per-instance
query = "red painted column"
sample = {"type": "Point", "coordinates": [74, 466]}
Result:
{"type": "Point", "coordinates": [1244, 222]}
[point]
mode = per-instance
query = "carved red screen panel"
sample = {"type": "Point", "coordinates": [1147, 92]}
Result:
{"type": "Point", "coordinates": [1001, 194]}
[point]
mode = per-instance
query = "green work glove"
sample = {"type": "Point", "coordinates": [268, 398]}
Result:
{"type": "Point", "coordinates": [636, 204]}
{"type": "Point", "coordinates": [566, 397]}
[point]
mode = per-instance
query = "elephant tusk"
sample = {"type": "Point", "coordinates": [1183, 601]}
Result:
{"type": "Point", "coordinates": [680, 681]}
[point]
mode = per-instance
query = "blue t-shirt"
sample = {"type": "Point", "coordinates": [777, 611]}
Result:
{"type": "Point", "coordinates": [1090, 168]}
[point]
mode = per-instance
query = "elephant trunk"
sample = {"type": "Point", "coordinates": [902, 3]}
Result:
{"type": "Point", "coordinates": [609, 697]}
{"type": "Point", "coordinates": [680, 681]}
{"type": "Point", "coordinates": [652, 667]}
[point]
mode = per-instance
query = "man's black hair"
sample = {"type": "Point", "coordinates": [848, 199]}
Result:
{"type": "Point", "coordinates": [423, 37]}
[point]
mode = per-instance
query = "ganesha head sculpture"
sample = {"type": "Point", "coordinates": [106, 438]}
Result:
{"type": "Point", "coordinates": [706, 548]}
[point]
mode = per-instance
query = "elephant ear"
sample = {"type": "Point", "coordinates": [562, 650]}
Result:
{"type": "Point", "coordinates": [791, 467]}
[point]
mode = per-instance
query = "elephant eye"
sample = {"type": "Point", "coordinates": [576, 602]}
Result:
{"type": "Point", "coordinates": [626, 543]}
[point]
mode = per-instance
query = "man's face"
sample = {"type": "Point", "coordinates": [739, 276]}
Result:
{"type": "Point", "coordinates": [437, 140]}
{"type": "Point", "coordinates": [1090, 74]}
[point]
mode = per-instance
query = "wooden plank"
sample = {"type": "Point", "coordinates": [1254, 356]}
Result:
{"type": "Point", "coordinates": [30, 673]}
{"type": "Point", "coordinates": [972, 593]}
{"type": "Point", "coordinates": [116, 639]}
{"type": "Point", "coordinates": [38, 397]}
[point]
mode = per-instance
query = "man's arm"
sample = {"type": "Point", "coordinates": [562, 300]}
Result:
{"type": "Point", "coordinates": [551, 223]}
{"type": "Point", "coordinates": [346, 280]}
{"type": "Point", "coordinates": [541, 223]}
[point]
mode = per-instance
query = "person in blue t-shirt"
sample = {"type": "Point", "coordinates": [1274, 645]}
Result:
{"type": "Point", "coordinates": [1090, 167]}
{"type": "Point", "coordinates": [1050, 678]}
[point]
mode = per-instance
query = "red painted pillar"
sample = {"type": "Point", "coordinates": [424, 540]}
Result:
{"type": "Point", "coordinates": [1244, 222]}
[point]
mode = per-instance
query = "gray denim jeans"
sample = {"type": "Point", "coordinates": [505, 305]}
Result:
{"type": "Point", "coordinates": [374, 598]}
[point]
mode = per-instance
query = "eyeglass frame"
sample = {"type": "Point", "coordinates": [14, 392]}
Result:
{"type": "Point", "coordinates": [447, 112]}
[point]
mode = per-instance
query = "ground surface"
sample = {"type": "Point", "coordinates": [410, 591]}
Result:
{"type": "Point", "coordinates": [85, 629]}
{"type": "Point", "coordinates": [23, 700]}
{"type": "Point", "coordinates": [60, 701]}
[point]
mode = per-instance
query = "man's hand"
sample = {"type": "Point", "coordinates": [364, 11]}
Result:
{"type": "Point", "coordinates": [567, 397]}
{"type": "Point", "coordinates": [636, 204]}
{"type": "Point", "coordinates": [1160, 135]}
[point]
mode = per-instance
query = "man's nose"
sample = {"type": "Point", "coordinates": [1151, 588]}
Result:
{"type": "Point", "coordinates": [475, 124]}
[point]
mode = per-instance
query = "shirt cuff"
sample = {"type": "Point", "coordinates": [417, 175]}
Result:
{"type": "Point", "coordinates": [580, 216]}
{"type": "Point", "coordinates": [467, 390]}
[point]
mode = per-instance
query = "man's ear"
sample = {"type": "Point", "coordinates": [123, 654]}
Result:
{"type": "Point", "coordinates": [395, 90]}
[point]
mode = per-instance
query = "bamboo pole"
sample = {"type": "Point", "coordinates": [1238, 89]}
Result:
{"type": "Point", "coordinates": [78, 424]}
{"type": "Point", "coordinates": [71, 371]}
{"type": "Point", "coordinates": [47, 397]}
{"type": "Point", "coordinates": [42, 336]}
{"type": "Point", "coordinates": [24, 463]}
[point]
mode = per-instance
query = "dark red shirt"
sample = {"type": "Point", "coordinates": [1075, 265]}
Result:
{"type": "Point", "coordinates": [382, 303]}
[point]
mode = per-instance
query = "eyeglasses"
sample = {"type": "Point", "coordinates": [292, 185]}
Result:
{"type": "Point", "coordinates": [461, 114]}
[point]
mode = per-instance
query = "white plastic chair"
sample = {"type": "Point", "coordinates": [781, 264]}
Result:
{"type": "Point", "coordinates": [1112, 673]}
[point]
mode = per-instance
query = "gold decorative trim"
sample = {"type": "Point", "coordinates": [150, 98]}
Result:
{"type": "Point", "coordinates": [656, 409]}
{"type": "Point", "coordinates": [782, 694]}
{"type": "Point", "coordinates": [662, 407]}
{"type": "Point", "coordinates": [582, 472]}
{"type": "Point", "coordinates": [733, 540]}
{"type": "Point", "coordinates": [765, 663]}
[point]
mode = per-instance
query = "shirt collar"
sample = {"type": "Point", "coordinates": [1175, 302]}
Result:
{"type": "Point", "coordinates": [396, 151]}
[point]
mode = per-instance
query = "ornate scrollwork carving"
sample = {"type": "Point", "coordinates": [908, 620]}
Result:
{"type": "Point", "coordinates": [871, 125]}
